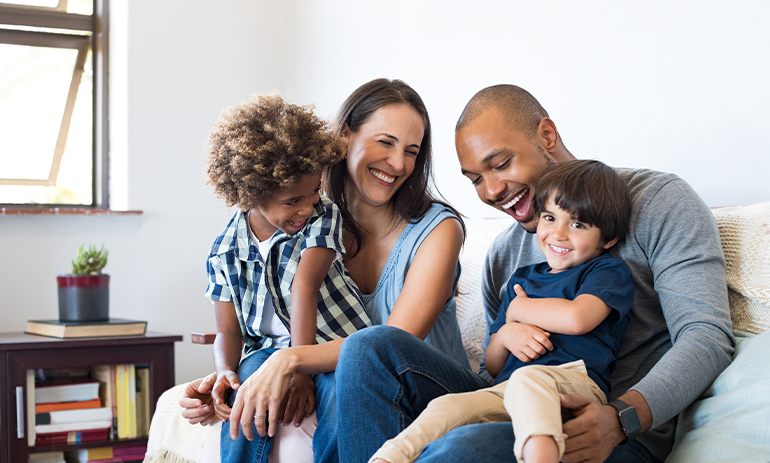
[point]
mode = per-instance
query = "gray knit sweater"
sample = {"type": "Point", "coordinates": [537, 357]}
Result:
{"type": "Point", "coordinates": [679, 336]}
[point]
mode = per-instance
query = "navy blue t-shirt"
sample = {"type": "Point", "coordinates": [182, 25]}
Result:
{"type": "Point", "coordinates": [605, 277]}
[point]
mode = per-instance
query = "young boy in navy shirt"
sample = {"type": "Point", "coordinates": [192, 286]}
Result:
{"type": "Point", "coordinates": [560, 325]}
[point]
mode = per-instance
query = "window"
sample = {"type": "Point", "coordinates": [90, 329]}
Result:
{"type": "Point", "coordinates": [52, 104]}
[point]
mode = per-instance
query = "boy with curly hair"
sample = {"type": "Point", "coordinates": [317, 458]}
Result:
{"type": "Point", "coordinates": [560, 325]}
{"type": "Point", "coordinates": [276, 275]}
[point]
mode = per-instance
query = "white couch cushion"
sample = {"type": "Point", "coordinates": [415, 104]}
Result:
{"type": "Point", "coordinates": [731, 421]}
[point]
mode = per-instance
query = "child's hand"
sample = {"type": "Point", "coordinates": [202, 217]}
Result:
{"type": "Point", "coordinates": [299, 401]}
{"type": "Point", "coordinates": [525, 342]}
{"type": "Point", "coordinates": [226, 380]}
{"type": "Point", "coordinates": [520, 298]}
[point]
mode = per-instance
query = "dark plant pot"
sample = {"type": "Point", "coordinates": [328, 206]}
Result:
{"type": "Point", "coordinates": [84, 298]}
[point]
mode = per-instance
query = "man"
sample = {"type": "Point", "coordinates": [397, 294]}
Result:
{"type": "Point", "coordinates": [679, 335]}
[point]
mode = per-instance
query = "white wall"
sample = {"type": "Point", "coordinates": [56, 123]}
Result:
{"type": "Point", "coordinates": [677, 87]}
{"type": "Point", "coordinates": [674, 86]}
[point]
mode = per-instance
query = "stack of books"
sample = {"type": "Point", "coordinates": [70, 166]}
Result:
{"type": "Point", "coordinates": [70, 413]}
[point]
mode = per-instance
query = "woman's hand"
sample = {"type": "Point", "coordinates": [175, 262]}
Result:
{"type": "Point", "coordinates": [226, 380]}
{"type": "Point", "coordinates": [299, 402]}
{"type": "Point", "coordinates": [525, 342]}
{"type": "Point", "coordinates": [197, 403]}
{"type": "Point", "coordinates": [260, 397]}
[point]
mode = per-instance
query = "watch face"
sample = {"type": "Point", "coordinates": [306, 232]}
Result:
{"type": "Point", "coordinates": [630, 422]}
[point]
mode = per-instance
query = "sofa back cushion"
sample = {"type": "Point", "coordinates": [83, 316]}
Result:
{"type": "Point", "coordinates": [745, 235]}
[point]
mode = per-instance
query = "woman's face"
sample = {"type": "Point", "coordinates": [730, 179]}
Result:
{"type": "Point", "coordinates": [382, 153]}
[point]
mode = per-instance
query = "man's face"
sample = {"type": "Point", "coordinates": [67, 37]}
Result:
{"type": "Point", "coordinates": [503, 164]}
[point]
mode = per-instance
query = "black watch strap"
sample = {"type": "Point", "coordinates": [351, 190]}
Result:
{"type": "Point", "coordinates": [629, 420]}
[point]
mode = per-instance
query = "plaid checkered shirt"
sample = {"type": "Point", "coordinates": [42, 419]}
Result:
{"type": "Point", "coordinates": [237, 274]}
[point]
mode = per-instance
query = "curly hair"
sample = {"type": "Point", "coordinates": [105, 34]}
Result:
{"type": "Point", "coordinates": [263, 145]}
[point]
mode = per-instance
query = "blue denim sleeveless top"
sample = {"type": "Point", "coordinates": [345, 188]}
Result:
{"type": "Point", "coordinates": [445, 334]}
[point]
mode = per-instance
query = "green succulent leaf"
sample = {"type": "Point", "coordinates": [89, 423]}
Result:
{"type": "Point", "coordinates": [89, 261]}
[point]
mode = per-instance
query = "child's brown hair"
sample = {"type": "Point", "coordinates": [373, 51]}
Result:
{"type": "Point", "coordinates": [592, 192]}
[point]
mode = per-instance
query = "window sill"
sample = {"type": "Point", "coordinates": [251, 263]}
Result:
{"type": "Point", "coordinates": [12, 210]}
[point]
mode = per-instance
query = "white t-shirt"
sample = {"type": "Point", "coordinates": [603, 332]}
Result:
{"type": "Point", "coordinates": [270, 325]}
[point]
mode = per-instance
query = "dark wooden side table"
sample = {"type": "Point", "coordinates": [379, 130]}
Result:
{"type": "Point", "coordinates": [20, 352]}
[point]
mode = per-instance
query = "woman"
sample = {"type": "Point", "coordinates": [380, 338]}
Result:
{"type": "Point", "coordinates": [402, 254]}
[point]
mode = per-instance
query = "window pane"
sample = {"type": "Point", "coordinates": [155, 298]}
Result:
{"type": "Point", "coordinates": [43, 3]}
{"type": "Point", "coordinates": [80, 6]}
{"type": "Point", "coordinates": [77, 161]}
{"type": "Point", "coordinates": [34, 84]}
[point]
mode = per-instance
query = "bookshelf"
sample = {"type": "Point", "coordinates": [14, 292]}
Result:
{"type": "Point", "coordinates": [20, 352]}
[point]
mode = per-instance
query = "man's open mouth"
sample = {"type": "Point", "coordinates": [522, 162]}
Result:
{"type": "Point", "coordinates": [520, 204]}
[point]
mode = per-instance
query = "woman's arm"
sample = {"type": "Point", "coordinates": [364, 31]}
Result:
{"type": "Point", "coordinates": [430, 281]}
{"type": "Point", "coordinates": [265, 389]}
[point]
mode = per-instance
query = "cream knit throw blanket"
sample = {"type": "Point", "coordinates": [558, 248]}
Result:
{"type": "Point", "coordinates": [172, 439]}
{"type": "Point", "coordinates": [745, 235]}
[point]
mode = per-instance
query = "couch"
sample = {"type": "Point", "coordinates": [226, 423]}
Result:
{"type": "Point", "coordinates": [729, 422]}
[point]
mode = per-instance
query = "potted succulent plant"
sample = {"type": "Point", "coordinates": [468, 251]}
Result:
{"type": "Point", "coordinates": [84, 295]}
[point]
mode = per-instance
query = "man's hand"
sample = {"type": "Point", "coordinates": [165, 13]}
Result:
{"type": "Point", "coordinates": [593, 433]}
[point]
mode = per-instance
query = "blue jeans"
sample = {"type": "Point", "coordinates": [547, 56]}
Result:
{"type": "Point", "coordinates": [386, 377]}
{"type": "Point", "coordinates": [241, 450]}
{"type": "Point", "coordinates": [493, 442]}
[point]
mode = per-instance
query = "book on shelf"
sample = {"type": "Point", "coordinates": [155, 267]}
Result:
{"type": "Point", "coordinates": [125, 391]}
{"type": "Point", "coordinates": [73, 392]}
{"type": "Point", "coordinates": [74, 416]}
{"type": "Point", "coordinates": [111, 454]}
{"type": "Point", "coordinates": [47, 457]}
{"type": "Point", "coordinates": [111, 327]}
{"type": "Point", "coordinates": [72, 437]}
{"type": "Point", "coordinates": [131, 387]}
{"type": "Point", "coordinates": [143, 416]}
{"type": "Point", "coordinates": [105, 374]}
{"type": "Point", "coordinates": [66, 427]}
{"type": "Point", "coordinates": [57, 406]}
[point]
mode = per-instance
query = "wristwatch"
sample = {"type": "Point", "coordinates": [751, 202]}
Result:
{"type": "Point", "coordinates": [629, 420]}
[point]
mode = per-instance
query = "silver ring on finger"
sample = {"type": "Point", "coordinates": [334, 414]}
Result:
{"type": "Point", "coordinates": [259, 416]}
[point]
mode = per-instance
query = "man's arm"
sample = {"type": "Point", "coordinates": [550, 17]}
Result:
{"type": "Point", "coordinates": [687, 264]}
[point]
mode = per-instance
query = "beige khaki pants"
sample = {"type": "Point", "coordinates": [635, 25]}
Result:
{"type": "Point", "coordinates": [530, 399]}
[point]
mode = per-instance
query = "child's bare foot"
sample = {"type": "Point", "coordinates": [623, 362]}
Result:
{"type": "Point", "coordinates": [541, 449]}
